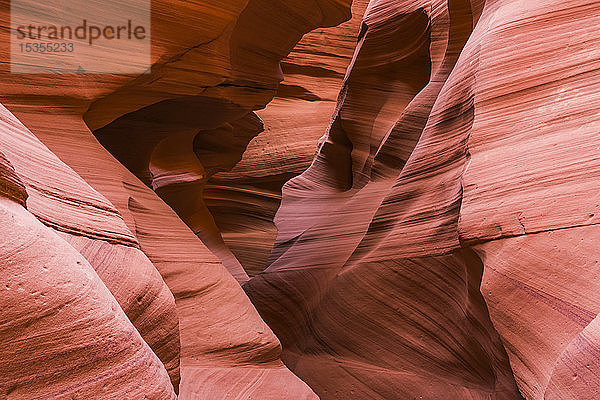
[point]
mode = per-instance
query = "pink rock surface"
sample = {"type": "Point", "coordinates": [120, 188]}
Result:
{"type": "Point", "coordinates": [407, 196]}
{"type": "Point", "coordinates": [63, 201]}
{"type": "Point", "coordinates": [63, 333]}
{"type": "Point", "coordinates": [196, 115]}
{"type": "Point", "coordinates": [374, 238]}
{"type": "Point", "coordinates": [123, 228]}
{"type": "Point", "coordinates": [244, 200]}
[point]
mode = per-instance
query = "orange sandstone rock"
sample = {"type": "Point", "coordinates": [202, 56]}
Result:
{"type": "Point", "coordinates": [439, 244]}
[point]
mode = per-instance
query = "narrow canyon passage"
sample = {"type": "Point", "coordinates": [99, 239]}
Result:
{"type": "Point", "coordinates": [323, 199]}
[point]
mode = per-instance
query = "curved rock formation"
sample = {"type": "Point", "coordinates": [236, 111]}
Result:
{"type": "Point", "coordinates": [201, 115]}
{"type": "Point", "coordinates": [439, 244]}
{"type": "Point", "coordinates": [383, 242]}
{"type": "Point", "coordinates": [63, 201]}
{"type": "Point", "coordinates": [63, 333]}
{"type": "Point", "coordinates": [408, 295]}
{"type": "Point", "coordinates": [129, 235]}
{"type": "Point", "coordinates": [244, 200]}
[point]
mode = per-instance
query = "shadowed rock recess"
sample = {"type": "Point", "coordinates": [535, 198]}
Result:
{"type": "Point", "coordinates": [304, 199]}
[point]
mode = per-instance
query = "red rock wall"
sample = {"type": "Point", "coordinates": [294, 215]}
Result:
{"type": "Point", "coordinates": [244, 200]}
{"type": "Point", "coordinates": [479, 176]}
{"type": "Point", "coordinates": [169, 287]}
{"type": "Point", "coordinates": [406, 194]}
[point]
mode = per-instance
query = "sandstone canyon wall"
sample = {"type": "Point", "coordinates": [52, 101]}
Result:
{"type": "Point", "coordinates": [384, 240]}
{"type": "Point", "coordinates": [334, 199]}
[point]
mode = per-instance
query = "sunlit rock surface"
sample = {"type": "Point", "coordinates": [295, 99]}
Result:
{"type": "Point", "coordinates": [335, 199]}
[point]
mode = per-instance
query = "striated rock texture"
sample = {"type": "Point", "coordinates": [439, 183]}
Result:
{"type": "Point", "coordinates": [201, 116]}
{"type": "Point", "coordinates": [90, 224]}
{"type": "Point", "coordinates": [211, 69]}
{"type": "Point", "coordinates": [63, 332]}
{"type": "Point", "coordinates": [334, 199]}
{"type": "Point", "coordinates": [243, 201]}
{"type": "Point", "coordinates": [459, 157]}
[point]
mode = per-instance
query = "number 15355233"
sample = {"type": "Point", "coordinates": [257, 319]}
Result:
{"type": "Point", "coordinates": [50, 47]}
